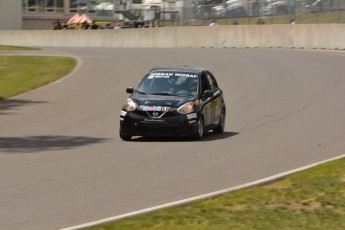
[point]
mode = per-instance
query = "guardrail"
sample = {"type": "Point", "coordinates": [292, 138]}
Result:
{"type": "Point", "coordinates": [315, 36]}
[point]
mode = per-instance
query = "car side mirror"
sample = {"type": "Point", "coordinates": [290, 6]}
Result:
{"type": "Point", "coordinates": [208, 93]}
{"type": "Point", "coordinates": [130, 90]}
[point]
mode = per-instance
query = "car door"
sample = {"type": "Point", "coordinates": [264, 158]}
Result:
{"type": "Point", "coordinates": [216, 100]}
{"type": "Point", "coordinates": [206, 111]}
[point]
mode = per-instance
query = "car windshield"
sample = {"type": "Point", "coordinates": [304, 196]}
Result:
{"type": "Point", "coordinates": [169, 83]}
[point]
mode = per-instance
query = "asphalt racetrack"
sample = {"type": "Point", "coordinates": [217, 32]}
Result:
{"type": "Point", "coordinates": [62, 162]}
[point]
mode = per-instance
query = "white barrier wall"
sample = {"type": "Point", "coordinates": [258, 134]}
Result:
{"type": "Point", "coordinates": [318, 36]}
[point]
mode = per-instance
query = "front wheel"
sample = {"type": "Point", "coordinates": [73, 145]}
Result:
{"type": "Point", "coordinates": [199, 130]}
{"type": "Point", "coordinates": [125, 137]}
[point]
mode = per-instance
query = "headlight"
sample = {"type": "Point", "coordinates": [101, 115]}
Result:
{"type": "Point", "coordinates": [186, 108]}
{"type": "Point", "coordinates": [129, 105]}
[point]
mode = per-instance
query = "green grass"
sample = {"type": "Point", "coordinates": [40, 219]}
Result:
{"type": "Point", "coordinates": [2, 47]}
{"type": "Point", "coordinates": [311, 199]}
{"type": "Point", "coordinates": [19, 74]}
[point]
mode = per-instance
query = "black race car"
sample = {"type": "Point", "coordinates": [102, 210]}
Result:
{"type": "Point", "coordinates": [173, 101]}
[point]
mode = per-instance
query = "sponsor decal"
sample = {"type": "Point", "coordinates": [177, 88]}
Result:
{"type": "Point", "coordinates": [185, 75]}
{"type": "Point", "coordinates": [123, 113]}
{"type": "Point", "coordinates": [154, 120]}
{"type": "Point", "coordinates": [154, 108]}
{"type": "Point", "coordinates": [191, 116]}
{"type": "Point", "coordinates": [160, 75]}
{"type": "Point", "coordinates": [168, 75]}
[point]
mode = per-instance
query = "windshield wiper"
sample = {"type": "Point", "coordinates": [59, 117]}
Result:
{"type": "Point", "coordinates": [164, 94]}
{"type": "Point", "coordinates": [140, 92]}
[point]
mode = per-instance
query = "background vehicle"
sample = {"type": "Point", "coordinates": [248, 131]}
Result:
{"type": "Point", "coordinates": [318, 6]}
{"type": "Point", "coordinates": [283, 7]}
{"type": "Point", "coordinates": [203, 8]}
{"type": "Point", "coordinates": [231, 9]}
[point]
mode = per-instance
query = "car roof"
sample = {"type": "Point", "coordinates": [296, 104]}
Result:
{"type": "Point", "coordinates": [186, 69]}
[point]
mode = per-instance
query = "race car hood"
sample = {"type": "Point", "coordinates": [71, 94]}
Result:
{"type": "Point", "coordinates": [161, 100]}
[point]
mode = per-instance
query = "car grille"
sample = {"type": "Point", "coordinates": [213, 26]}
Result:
{"type": "Point", "coordinates": [155, 114]}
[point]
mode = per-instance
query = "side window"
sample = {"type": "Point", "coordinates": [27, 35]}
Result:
{"type": "Point", "coordinates": [211, 81]}
{"type": "Point", "coordinates": [204, 83]}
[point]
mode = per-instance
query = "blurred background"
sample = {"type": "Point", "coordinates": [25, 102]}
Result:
{"type": "Point", "coordinates": [142, 13]}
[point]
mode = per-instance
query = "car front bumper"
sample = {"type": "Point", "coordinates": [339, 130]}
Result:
{"type": "Point", "coordinates": [135, 124]}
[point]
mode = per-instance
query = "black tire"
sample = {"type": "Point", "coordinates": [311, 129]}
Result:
{"type": "Point", "coordinates": [200, 129]}
{"type": "Point", "coordinates": [125, 137]}
{"type": "Point", "coordinates": [221, 125]}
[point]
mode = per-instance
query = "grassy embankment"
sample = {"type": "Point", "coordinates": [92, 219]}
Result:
{"type": "Point", "coordinates": [311, 199]}
{"type": "Point", "coordinates": [19, 74]}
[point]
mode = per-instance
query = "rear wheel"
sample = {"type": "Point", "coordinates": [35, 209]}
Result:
{"type": "Point", "coordinates": [125, 137]}
{"type": "Point", "coordinates": [221, 125]}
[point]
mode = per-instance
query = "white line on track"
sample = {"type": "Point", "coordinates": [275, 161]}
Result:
{"type": "Point", "coordinates": [205, 196]}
